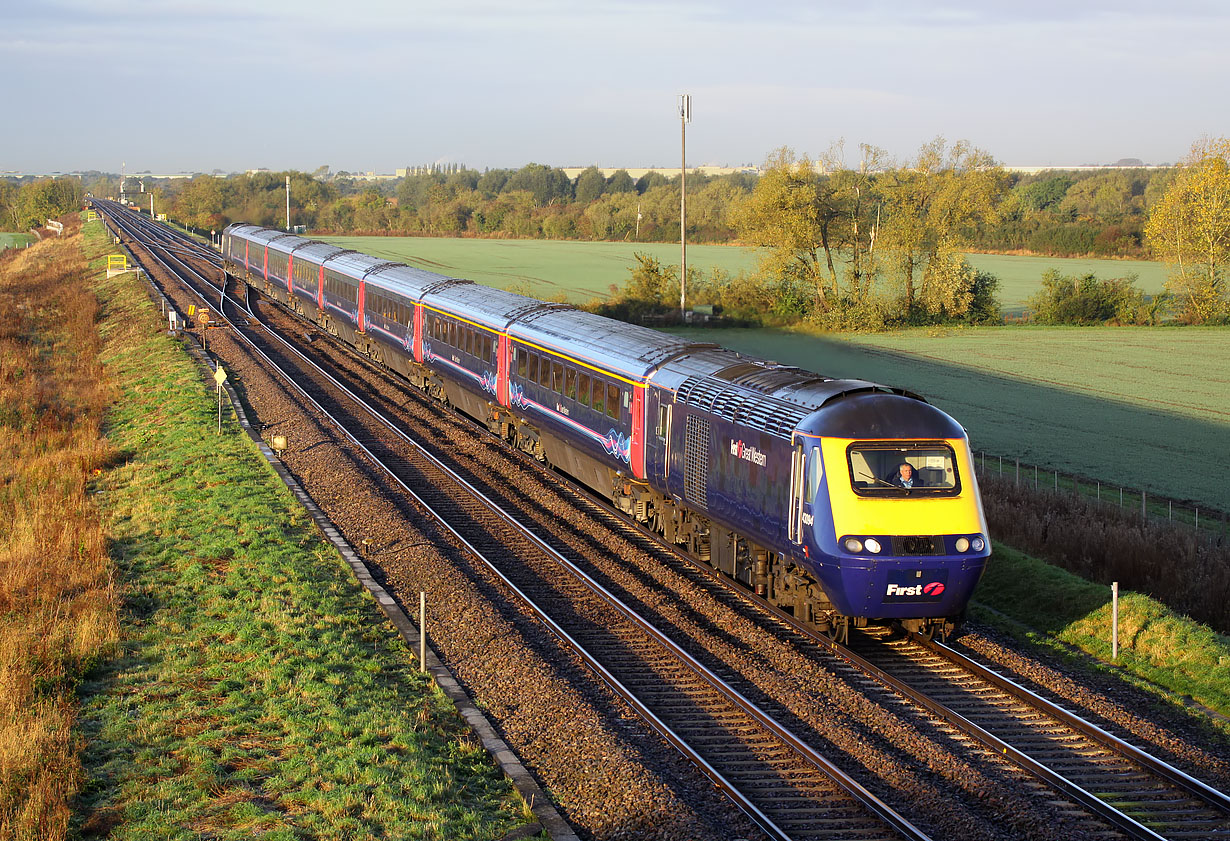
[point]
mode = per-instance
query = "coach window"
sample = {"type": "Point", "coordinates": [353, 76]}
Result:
{"type": "Point", "coordinates": [544, 371]}
{"type": "Point", "coordinates": [469, 331]}
{"type": "Point", "coordinates": [557, 377]}
{"type": "Point", "coordinates": [570, 383]}
{"type": "Point", "coordinates": [612, 401]}
{"type": "Point", "coordinates": [583, 389]}
{"type": "Point", "coordinates": [599, 391]}
{"type": "Point", "coordinates": [520, 355]}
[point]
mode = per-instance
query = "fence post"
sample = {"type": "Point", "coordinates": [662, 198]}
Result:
{"type": "Point", "coordinates": [1001, 465]}
{"type": "Point", "coordinates": [1114, 622]}
{"type": "Point", "coordinates": [1018, 472]}
{"type": "Point", "coordinates": [1197, 519]}
{"type": "Point", "coordinates": [1144, 510]}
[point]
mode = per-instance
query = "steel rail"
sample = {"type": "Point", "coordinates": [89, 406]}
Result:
{"type": "Point", "coordinates": [1168, 772]}
{"type": "Point", "coordinates": [854, 789]}
{"type": "Point", "coordinates": [1057, 781]}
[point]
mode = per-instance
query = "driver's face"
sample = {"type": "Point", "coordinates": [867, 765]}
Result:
{"type": "Point", "coordinates": [906, 471]}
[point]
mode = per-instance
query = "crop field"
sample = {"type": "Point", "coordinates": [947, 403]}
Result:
{"type": "Point", "coordinates": [14, 240]}
{"type": "Point", "coordinates": [581, 271]}
{"type": "Point", "coordinates": [1142, 407]}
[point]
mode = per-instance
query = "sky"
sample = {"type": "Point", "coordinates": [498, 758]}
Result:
{"type": "Point", "coordinates": [374, 85]}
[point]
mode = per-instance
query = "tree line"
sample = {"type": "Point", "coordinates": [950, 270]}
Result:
{"type": "Point", "coordinates": [866, 243]}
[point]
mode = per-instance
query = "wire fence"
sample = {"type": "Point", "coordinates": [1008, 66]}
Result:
{"type": "Point", "coordinates": [1149, 506]}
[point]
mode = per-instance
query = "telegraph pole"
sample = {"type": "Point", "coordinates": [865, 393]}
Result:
{"type": "Point", "coordinates": [685, 117]}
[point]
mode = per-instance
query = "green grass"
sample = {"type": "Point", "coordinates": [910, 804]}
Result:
{"type": "Point", "coordinates": [258, 690]}
{"type": "Point", "coordinates": [581, 271]}
{"type": "Point", "coordinates": [14, 240]}
{"type": "Point", "coordinates": [1159, 650]}
{"type": "Point", "coordinates": [1145, 407]}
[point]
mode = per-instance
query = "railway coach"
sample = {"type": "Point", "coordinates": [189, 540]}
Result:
{"type": "Point", "coordinates": [785, 480]}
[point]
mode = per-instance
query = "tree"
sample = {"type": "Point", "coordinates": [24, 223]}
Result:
{"type": "Point", "coordinates": [931, 209]}
{"type": "Point", "coordinates": [621, 182]}
{"type": "Point", "coordinates": [790, 214]}
{"type": "Point", "coordinates": [547, 184]}
{"type": "Point", "coordinates": [590, 185]}
{"type": "Point", "coordinates": [1190, 229]}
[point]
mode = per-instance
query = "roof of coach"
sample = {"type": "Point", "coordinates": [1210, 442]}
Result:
{"type": "Point", "coordinates": [487, 305]}
{"type": "Point", "coordinates": [241, 229]}
{"type": "Point", "coordinates": [622, 348]}
{"type": "Point", "coordinates": [312, 250]}
{"type": "Point", "coordinates": [774, 398]}
{"type": "Point", "coordinates": [264, 235]}
{"type": "Point", "coordinates": [287, 243]}
{"type": "Point", "coordinates": [352, 264]}
{"type": "Point", "coordinates": [407, 281]}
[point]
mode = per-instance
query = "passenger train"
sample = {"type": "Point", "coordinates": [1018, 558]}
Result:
{"type": "Point", "coordinates": [841, 501]}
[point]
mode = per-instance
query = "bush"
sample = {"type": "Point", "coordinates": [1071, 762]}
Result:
{"type": "Point", "coordinates": [1085, 300]}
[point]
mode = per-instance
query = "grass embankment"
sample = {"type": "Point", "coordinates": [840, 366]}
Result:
{"type": "Point", "coordinates": [57, 590]}
{"type": "Point", "coordinates": [1166, 653]}
{"type": "Point", "coordinates": [252, 688]}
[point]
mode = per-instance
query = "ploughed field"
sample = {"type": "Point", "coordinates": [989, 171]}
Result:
{"type": "Point", "coordinates": [582, 271]}
{"type": "Point", "coordinates": [1142, 407]}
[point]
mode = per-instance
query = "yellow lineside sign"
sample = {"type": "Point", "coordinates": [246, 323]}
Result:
{"type": "Point", "coordinates": [117, 262]}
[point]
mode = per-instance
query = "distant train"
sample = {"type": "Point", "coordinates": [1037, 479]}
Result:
{"type": "Point", "coordinates": [841, 501]}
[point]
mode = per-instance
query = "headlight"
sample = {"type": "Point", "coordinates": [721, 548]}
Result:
{"type": "Point", "coordinates": [854, 545]}
{"type": "Point", "coordinates": [873, 545]}
{"type": "Point", "coordinates": [978, 543]}
{"type": "Point", "coordinates": [962, 544]}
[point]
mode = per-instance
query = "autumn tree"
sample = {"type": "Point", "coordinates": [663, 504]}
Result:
{"type": "Point", "coordinates": [931, 208]}
{"type": "Point", "coordinates": [1190, 229]}
{"type": "Point", "coordinates": [790, 215]}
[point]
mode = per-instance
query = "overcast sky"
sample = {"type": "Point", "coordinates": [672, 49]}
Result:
{"type": "Point", "coordinates": [362, 85]}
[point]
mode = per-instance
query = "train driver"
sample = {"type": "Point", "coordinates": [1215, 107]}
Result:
{"type": "Point", "coordinates": [905, 477]}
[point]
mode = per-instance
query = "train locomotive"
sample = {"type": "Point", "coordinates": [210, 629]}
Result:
{"type": "Point", "coordinates": [840, 501]}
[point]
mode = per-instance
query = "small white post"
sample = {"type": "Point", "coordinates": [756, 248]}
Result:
{"type": "Point", "coordinates": [1114, 622]}
{"type": "Point", "coordinates": [422, 631]}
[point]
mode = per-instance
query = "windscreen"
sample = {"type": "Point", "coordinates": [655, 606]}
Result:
{"type": "Point", "coordinates": [903, 469]}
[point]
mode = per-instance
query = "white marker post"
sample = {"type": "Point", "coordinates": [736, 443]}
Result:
{"type": "Point", "coordinates": [219, 378]}
{"type": "Point", "coordinates": [1114, 621]}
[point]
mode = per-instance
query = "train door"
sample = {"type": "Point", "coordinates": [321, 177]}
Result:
{"type": "Point", "coordinates": [503, 369]}
{"type": "Point", "coordinates": [657, 435]}
{"type": "Point", "coordinates": [794, 512]}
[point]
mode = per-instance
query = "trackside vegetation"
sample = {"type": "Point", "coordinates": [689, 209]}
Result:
{"type": "Point", "coordinates": [58, 592]}
{"type": "Point", "coordinates": [1160, 651]}
{"type": "Point", "coordinates": [242, 684]}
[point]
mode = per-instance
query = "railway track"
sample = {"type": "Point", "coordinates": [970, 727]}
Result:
{"type": "Point", "coordinates": [1118, 788]}
{"type": "Point", "coordinates": [784, 785]}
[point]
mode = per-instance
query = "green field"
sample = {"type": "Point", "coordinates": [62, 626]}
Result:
{"type": "Point", "coordinates": [14, 240]}
{"type": "Point", "coordinates": [581, 271]}
{"type": "Point", "coordinates": [1145, 407]}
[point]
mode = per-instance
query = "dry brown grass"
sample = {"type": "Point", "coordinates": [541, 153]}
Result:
{"type": "Point", "coordinates": [57, 590]}
{"type": "Point", "coordinates": [1189, 571]}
